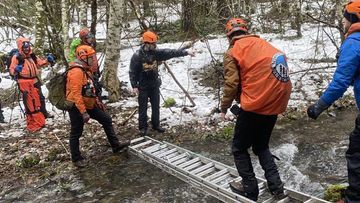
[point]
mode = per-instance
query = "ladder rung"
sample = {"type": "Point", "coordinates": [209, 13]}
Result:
{"type": "Point", "coordinates": [221, 178]}
{"type": "Point", "coordinates": [195, 165]}
{"type": "Point", "coordinates": [309, 200]}
{"type": "Point", "coordinates": [180, 161]}
{"type": "Point", "coordinates": [162, 148]}
{"type": "Point", "coordinates": [189, 162]}
{"type": "Point", "coordinates": [142, 144]}
{"type": "Point", "coordinates": [137, 140]}
{"type": "Point", "coordinates": [287, 199]}
{"type": "Point", "coordinates": [202, 168]}
{"type": "Point", "coordinates": [207, 171]}
{"type": "Point", "coordinates": [172, 155]}
{"type": "Point", "coordinates": [262, 191]}
{"type": "Point", "coordinates": [167, 152]}
{"type": "Point", "coordinates": [177, 157]}
{"type": "Point", "coordinates": [262, 185]}
{"type": "Point", "coordinates": [152, 148]}
{"type": "Point", "coordinates": [217, 174]}
{"type": "Point", "coordinates": [268, 200]}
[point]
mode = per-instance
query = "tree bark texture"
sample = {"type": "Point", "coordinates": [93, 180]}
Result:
{"type": "Point", "coordinates": [65, 15]}
{"type": "Point", "coordinates": [109, 79]}
{"type": "Point", "coordinates": [39, 28]}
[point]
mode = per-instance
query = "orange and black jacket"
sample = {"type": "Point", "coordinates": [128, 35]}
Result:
{"type": "Point", "coordinates": [30, 62]}
{"type": "Point", "coordinates": [77, 78]}
{"type": "Point", "coordinates": [263, 76]}
{"type": "Point", "coordinates": [144, 66]}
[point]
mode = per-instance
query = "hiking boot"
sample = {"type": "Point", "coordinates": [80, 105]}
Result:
{"type": "Point", "coordinates": [122, 147]}
{"type": "Point", "coordinates": [143, 132]}
{"type": "Point", "coordinates": [238, 188]}
{"type": "Point", "coordinates": [48, 115]}
{"type": "Point", "coordinates": [80, 163]}
{"type": "Point", "coordinates": [159, 129]}
{"type": "Point", "coordinates": [279, 193]}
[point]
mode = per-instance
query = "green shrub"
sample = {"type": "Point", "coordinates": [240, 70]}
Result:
{"type": "Point", "coordinates": [334, 193]}
{"type": "Point", "coordinates": [169, 102]}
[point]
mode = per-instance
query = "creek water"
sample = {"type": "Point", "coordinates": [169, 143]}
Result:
{"type": "Point", "coordinates": [312, 155]}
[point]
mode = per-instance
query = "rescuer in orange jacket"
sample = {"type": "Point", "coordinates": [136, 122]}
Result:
{"type": "Point", "coordinates": [24, 68]}
{"type": "Point", "coordinates": [256, 75]}
{"type": "Point", "coordinates": [81, 91]}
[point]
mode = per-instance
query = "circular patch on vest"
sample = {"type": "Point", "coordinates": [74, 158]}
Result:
{"type": "Point", "coordinates": [280, 67]}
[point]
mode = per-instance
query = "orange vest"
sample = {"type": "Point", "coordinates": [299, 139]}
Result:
{"type": "Point", "coordinates": [265, 82]}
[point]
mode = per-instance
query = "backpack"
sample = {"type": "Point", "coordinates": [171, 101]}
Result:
{"type": "Point", "coordinates": [19, 57]}
{"type": "Point", "coordinates": [57, 91]}
{"type": "Point", "coordinates": [74, 44]}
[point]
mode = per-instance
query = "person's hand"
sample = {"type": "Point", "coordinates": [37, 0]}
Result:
{"type": "Point", "coordinates": [50, 58]}
{"type": "Point", "coordinates": [85, 117]}
{"type": "Point", "coordinates": [135, 91]}
{"type": "Point", "coordinates": [316, 109]}
{"type": "Point", "coordinates": [18, 68]}
{"type": "Point", "coordinates": [190, 53]}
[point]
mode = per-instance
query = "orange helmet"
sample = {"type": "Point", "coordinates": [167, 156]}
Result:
{"type": "Point", "coordinates": [353, 7]}
{"type": "Point", "coordinates": [235, 24]}
{"type": "Point", "coordinates": [84, 51]}
{"type": "Point", "coordinates": [149, 37]}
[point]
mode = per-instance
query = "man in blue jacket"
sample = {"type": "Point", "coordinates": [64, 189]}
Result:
{"type": "Point", "coordinates": [346, 74]}
{"type": "Point", "coordinates": [145, 81]}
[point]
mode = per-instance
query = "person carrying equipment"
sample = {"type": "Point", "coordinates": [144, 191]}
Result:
{"type": "Point", "coordinates": [24, 69]}
{"type": "Point", "coordinates": [257, 75]}
{"type": "Point", "coordinates": [81, 91]}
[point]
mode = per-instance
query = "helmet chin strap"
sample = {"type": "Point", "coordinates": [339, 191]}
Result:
{"type": "Point", "coordinates": [86, 62]}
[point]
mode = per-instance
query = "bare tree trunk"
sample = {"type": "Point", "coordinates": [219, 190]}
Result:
{"type": "Point", "coordinates": [93, 17]}
{"type": "Point", "coordinates": [146, 7]}
{"type": "Point", "coordinates": [188, 24]}
{"type": "Point", "coordinates": [83, 13]}
{"type": "Point", "coordinates": [65, 15]}
{"type": "Point", "coordinates": [39, 27]}
{"type": "Point", "coordinates": [110, 80]}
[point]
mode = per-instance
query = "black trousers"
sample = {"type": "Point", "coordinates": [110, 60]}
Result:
{"type": "Point", "coordinates": [77, 126]}
{"type": "Point", "coordinates": [42, 99]}
{"type": "Point", "coordinates": [144, 95]}
{"type": "Point", "coordinates": [352, 194]}
{"type": "Point", "coordinates": [254, 130]}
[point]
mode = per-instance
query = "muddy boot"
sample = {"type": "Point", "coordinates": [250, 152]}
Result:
{"type": "Point", "coordinates": [122, 147]}
{"type": "Point", "coordinates": [159, 129]}
{"type": "Point", "coordinates": [82, 163]}
{"type": "Point", "coordinates": [238, 188]}
{"type": "Point", "coordinates": [279, 194]}
{"type": "Point", "coordinates": [143, 132]}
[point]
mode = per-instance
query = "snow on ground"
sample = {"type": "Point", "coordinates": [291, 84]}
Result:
{"type": "Point", "coordinates": [313, 45]}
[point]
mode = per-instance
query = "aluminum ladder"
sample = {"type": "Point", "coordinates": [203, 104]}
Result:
{"type": "Point", "coordinates": [208, 175]}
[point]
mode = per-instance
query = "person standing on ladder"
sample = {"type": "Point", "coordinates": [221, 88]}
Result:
{"type": "Point", "coordinates": [257, 75]}
{"type": "Point", "coordinates": [346, 74]}
{"type": "Point", "coordinates": [145, 81]}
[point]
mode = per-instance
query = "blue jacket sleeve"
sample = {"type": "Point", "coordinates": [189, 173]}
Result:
{"type": "Point", "coordinates": [345, 72]}
{"type": "Point", "coordinates": [166, 54]}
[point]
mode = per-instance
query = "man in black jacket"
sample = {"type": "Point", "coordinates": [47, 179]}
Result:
{"type": "Point", "coordinates": [145, 81]}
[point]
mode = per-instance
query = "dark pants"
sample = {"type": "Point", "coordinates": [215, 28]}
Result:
{"type": "Point", "coordinates": [254, 130]}
{"type": "Point", "coordinates": [77, 126]}
{"type": "Point", "coordinates": [42, 99]}
{"type": "Point", "coordinates": [1, 114]}
{"type": "Point", "coordinates": [352, 194]}
{"type": "Point", "coordinates": [154, 95]}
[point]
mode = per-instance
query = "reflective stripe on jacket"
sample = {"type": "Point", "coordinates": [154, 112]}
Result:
{"type": "Point", "coordinates": [265, 82]}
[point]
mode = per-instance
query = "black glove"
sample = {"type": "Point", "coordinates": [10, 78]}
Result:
{"type": "Point", "coordinates": [316, 109]}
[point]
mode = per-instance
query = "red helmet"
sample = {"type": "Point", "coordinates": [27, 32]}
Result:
{"type": "Point", "coordinates": [84, 51]}
{"type": "Point", "coordinates": [353, 7]}
{"type": "Point", "coordinates": [149, 37]}
{"type": "Point", "coordinates": [85, 34]}
{"type": "Point", "coordinates": [236, 24]}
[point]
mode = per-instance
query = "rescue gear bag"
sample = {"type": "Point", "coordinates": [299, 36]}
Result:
{"type": "Point", "coordinates": [57, 90]}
